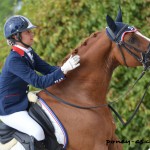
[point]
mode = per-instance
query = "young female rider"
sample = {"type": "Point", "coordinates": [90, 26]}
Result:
{"type": "Point", "coordinates": [19, 71]}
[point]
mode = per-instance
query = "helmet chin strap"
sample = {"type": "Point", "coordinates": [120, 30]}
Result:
{"type": "Point", "coordinates": [20, 40]}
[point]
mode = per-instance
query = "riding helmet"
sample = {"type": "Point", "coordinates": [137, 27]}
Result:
{"type": "Point", "coordinates": [16, 24]}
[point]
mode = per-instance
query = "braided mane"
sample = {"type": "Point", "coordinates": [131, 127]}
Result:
{"type": "Point", "coordinates": [84, 43]}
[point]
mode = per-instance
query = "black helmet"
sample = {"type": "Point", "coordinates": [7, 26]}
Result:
{"type": "Point", "coordinates": [16, 24]}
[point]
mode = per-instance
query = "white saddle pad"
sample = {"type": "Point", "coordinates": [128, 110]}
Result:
{"type": "Point", "coordinates": [60, 131]}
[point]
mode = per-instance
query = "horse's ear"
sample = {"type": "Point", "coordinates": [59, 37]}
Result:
{"type": "Point", "coordinates": [111, 24]}
{"type": "Point", "coordinates": [119, 16]}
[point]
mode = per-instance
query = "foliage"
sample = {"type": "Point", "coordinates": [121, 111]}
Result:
{"type": "Point", "coordinates": [62, 25]}
{"type": "Point", "coordinates": [6, 10]}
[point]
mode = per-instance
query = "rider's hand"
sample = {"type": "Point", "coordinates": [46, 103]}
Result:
{"type": "Point", "coordinates": [71, 63]}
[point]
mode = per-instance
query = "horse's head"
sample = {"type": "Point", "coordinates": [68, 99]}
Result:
{"type": "Point", "coordinates": [133, 46]}
{"type": "Point", "coordinates": [102, 52]}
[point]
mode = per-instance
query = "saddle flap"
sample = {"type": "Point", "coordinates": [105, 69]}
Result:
{"type": "Point", "coordinates": [37, 113]}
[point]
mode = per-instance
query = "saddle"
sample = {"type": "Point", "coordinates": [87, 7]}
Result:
{"type": "Point", "coordinates": [10, 136]}
{"type": "Point", "coordinates": [7, 134]}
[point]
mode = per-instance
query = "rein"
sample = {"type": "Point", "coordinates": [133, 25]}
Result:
{"type": "Point", "coordinates": [135, 111]}
{"type": "Point", "coordinates": [71, 104]}
{"type": "Point", "coordinates": [105, 105]}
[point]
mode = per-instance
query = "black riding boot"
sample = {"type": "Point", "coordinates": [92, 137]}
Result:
{"type": "Point", "coordinates": [40, 145]}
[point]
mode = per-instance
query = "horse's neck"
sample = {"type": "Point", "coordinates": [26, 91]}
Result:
{"type": "Point", "coordinates": [94, 74]}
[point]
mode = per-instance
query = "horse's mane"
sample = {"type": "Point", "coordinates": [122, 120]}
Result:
{"type": "Point", "coordinates": [75, 50]}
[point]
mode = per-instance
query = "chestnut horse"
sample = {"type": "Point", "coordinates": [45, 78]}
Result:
{"type": "Point", "coordinates": [87, 85]}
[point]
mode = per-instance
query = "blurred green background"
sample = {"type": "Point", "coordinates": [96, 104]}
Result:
{"type": "Point", "coordinates": [63, 24]}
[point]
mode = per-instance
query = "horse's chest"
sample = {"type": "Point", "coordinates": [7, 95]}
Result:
{"type": "Point", "coordinates": [90, 122]}
{"type": "Point", "coordinates": [90, 127]}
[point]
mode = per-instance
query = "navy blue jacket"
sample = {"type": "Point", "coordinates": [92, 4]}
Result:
{"type": "Point", "coordinates": [18, 72]}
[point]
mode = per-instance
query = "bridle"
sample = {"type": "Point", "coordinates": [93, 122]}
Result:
{"type": "Point", "coordinates": [145, 60]}
{"type": "Point", "coordinates": [118, 39]}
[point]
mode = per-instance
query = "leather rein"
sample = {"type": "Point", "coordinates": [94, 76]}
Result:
{"type": "Point", "coordinates": [144, 60]}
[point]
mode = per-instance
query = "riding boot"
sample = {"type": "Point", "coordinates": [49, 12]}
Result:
{"type": "Point", "coordinates": [60, 147]}
{"type": "Point", "coordinates": [40, 145]}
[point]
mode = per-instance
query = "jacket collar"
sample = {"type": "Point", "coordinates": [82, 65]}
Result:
{"type": "Point", "coordinates": [18, 50]}
{"type": "Point", "coordinates": [21, 50]}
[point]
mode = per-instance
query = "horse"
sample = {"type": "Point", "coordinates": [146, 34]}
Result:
{"type": "Point", "coordinates": [79, 101]}
{"type": "Point", "coordinates": [88, 127]}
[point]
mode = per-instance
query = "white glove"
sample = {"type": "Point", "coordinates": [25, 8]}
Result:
{"type": "Point", "coordinates": [71, 63]}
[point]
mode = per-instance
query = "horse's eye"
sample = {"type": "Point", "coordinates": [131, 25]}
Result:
{"type": "Point", "coordinates": [132, 40]}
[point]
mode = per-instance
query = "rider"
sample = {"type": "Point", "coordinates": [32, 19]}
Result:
{"type": "Point", "coordinates": [19, 71]}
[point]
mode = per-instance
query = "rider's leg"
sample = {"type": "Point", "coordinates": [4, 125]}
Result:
{"type": "Point", "coordinates": [22, 122]}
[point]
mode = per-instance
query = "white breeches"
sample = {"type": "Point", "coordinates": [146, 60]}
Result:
{"type": "Point", "coordinates": [22, 122]}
